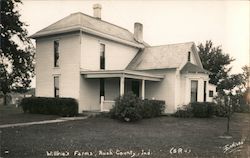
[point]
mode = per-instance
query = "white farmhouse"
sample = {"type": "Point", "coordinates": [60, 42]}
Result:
{"type": "Point", "coordinates": [94, 61]}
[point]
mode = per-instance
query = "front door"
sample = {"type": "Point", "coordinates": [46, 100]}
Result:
{"type": "Point", "coordinates": [135, 87]}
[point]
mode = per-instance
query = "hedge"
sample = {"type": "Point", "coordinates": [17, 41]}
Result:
{"type": "Point", "coordinates": [242, 108]}
{"type": "Point", "coordinates": [203, 109]}
{"type": "Point", "coordinates": [152, 108]}
{"type": "Point", "coordinates": [50, 106]}
{"type": "Point", "coordinates": [185, 111]}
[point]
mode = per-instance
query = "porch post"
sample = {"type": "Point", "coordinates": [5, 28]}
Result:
{"type": "Point", "coordinates": [122, 79]}
{"type": "Point", "coordinates": [102, 100]}
{"type": "Point", "coordinates": [187, 91]}
{"type": "Point", "coordinates": [143, 89]}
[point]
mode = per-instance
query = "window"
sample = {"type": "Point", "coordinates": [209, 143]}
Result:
{"type": "Point", "coordinates": [194, 90]}
{"type": "Point", "coordinates": [102, 56]}
{"type": "Point", "coordinates": [56, 86]}
{"type": "Point", "coordinates": [189, 56]}
{"type": "Point", "coordinates": [56, 53]}
{"type": "Point", "coordinates": [205, 91]}
{"type": "Point", "coordinates": [211, 93]}
{"type": "Point", "coordinates": [102, 92]}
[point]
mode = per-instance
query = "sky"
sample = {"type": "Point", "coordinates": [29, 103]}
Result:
{"type": "Point", "coordinates": [224, 22]}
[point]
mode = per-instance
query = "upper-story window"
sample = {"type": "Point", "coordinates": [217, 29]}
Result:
{"type": "Point", "coordinates": [189, 56]}
{"type": "Point", "coordinates": [102, 56]}
{"type": "Point", "coordinates": [56, 53]}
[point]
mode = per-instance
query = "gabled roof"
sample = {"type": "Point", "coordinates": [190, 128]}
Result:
{"type": "Point", "coordinates": [191, 68]}
{"type": "Point", "coordinates": [86, 23]}
{"type": "Point", "coordinates": [160, 57]}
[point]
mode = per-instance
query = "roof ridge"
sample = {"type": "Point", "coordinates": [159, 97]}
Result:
{"type": "Point", "coordinates": [170, 44]}
{"type": "Point", "coordinates": [135, 61]}
{"type": "Point", "coordinates": [101, 20]}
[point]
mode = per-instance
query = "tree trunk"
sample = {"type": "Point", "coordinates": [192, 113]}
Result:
{"type": "Point", "coordinates": [4, 99]}
{"type": "Point", "coordinates": [228, 113]}
{"type": "Point", "coordinates": [228, 122]}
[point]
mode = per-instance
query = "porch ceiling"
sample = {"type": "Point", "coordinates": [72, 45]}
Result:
{"type": "Point", "coordinates": [121, 73]}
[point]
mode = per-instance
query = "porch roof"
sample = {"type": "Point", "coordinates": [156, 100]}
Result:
{"type": "Point", "coordinates": [122, 73]}
{"type": "Point", "coordinates": [191, 68]}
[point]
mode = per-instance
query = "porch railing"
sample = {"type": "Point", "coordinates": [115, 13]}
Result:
{"type": "Point", "coordinates": [106, 105]}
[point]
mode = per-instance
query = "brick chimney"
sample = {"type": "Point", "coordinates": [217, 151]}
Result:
{"type": "Point", "coordinates": [97, 10]}
{"type": "Point", "coordinates": [138, 32]}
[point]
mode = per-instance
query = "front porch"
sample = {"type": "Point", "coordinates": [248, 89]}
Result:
{"type": "Point", "coordinates": [115, 83]}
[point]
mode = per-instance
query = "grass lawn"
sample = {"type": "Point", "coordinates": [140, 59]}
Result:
{"type": "Point", "coordinates": [10, 114]}
{"type": "Point", "coordinates": [157, 136]}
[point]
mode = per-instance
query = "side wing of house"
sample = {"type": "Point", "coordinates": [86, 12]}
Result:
{"type": "Point", "coordinates": [194, 80]}
{"type": "Point", "coordinates": [184, 80]}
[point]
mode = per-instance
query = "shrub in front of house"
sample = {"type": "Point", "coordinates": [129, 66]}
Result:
{"type": "Point", "coordinates": [131, 108]}
{"type": "Point", "coordinates": [127, 108]}
{"type": "Point", "coordinates": [152, 108]}
{"type": "Point", "coordinates": [203, 109]}
{"type": "Point", "coordinates": [50, 106]}
{"type": "Point", "coordinates": [184, 112]}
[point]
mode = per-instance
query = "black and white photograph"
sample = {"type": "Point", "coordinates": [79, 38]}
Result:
{"type": "Point", "coordinates": [125, 79]}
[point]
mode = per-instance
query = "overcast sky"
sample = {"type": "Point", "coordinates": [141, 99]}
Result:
{"type": "Point", "coordinates": [226, 23]}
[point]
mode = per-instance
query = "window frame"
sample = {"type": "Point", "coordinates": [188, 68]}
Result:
{"type": "Point", "coordinates": [189, 57]}
{"type": "Point", "coordinates": [211, 93]}
{"type": "Point", "coordinates": [56, 45]}
{"type": "Point", "coordinates": [102, 56]}
{"type": "Point", "coordinates": [56, 94]}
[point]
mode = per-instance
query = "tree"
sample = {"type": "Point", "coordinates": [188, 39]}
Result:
{"type": "Point", "coordinates": [232, 81]}
{"type": "Point", "coordinates": [17, 51]}
{"type": "Point", "coordinates": [246, 76]}
{"type": "Point", "coordinates": [215, 61]}
{"type": "Point", "coordinates": [243, 90]}
{"type": "Point", "coordinates": [238, 83]}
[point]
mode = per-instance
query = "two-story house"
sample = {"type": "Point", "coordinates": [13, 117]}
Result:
{"type": "Point", "coordinates": [94, 61]}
